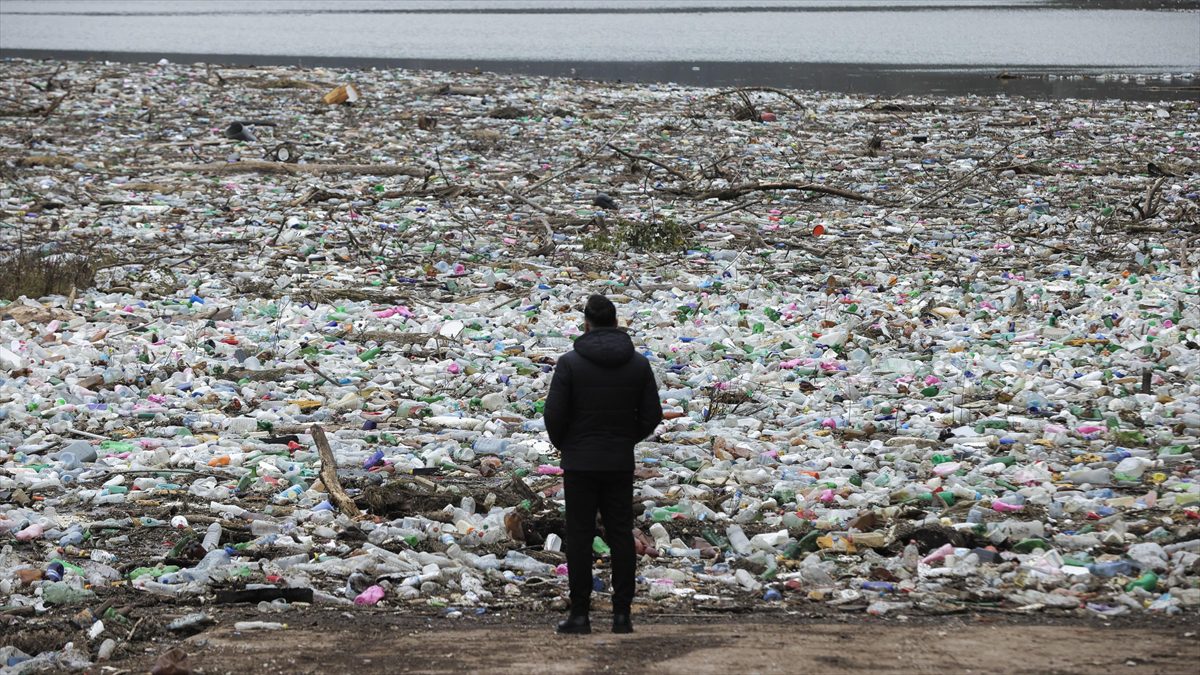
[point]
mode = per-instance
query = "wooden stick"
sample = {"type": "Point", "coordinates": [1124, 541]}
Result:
{"type": "Point", "coordinates": [522, 198]}
{"type": "Point", "coordinates": [86, 434]}
{"type": "Point", "coordinates": [134, 629]}
{"type": "Point", "coordinates": [735, 191]}
{"type": "Point", "coordinates": [981, 166]}
{"type": "Point", "coordinates": [650, 160]}
{"type": "Point", "coordinates": [138, 472]}
{"type": "Point", "coordinates": [538, 185]}
{"type": "Point", "coordinates": [260, 166]}
{"type": "Point", "coordinates": [1149, 211]}
{"type": "Point", "coordinates": [736, 207]}
{"type": "Point", "coordinates": [323, 375]}
{"type": "Point", "coordinates": [329, 476]}
{"type": "Point", "coordinates": [54, 105]}
{"type": "Point", "coordinates": [772, 90]}
{"type": "Point", "coordinates": [451, 90]}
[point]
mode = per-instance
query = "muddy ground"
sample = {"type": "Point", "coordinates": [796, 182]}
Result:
{"type": "Point", "coordinates": [328, 640]}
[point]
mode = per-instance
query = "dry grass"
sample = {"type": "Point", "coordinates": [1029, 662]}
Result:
{"type": "Point", "coordinates": [33, 274]}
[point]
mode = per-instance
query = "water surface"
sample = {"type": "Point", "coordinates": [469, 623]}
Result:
{"type": "Point", "coordinates": [772, 41]}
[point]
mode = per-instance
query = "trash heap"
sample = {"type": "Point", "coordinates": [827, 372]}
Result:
{"type": "Point", "coordinates": [917, 355]}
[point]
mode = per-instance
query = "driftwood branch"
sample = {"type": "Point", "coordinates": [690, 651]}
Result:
{"type": "Point", "coordinates": [735, 191]}
{"type": "Point", "coordinates": [650, 160]}
{"type": "Point", "coordinates": [329, 477]}
{"type": "Point", "coordinates": [323, 376]}
{"type": "Point", "coordinates": [1148, 208]}
{"type": "Point", "coordinates": [522, 198]}
{"type": "Point", "coordinates": [259, 166]}
{"type": "Point", "coordinates": [736, 207]}
{"type": "Point", "coordinates": [392, 337]}
{"type": "Point", "coordinates": [441, 192]}
{"type": "Point", "coordinates": [55, 104]}
{"type": "Point", "coordinates": [549, 247]}
{"type": "Point", "coordinates": [770, 90]}
{"type": "Point", "coordinates": [589, 157]}
{"type": "Point", "coordinates": [381, 296]}
{"type": "Point", "coordinates": [981, 167]}
{"type": "Point", "coordinates": [1040, 167]}
{"type": "Point", "coordinates": [451, 90]}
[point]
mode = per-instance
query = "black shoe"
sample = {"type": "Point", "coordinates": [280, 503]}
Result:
{"type": "Point", "coordinates": [576, 624]}
{"type": "Point", "coordinates": [622, 624]}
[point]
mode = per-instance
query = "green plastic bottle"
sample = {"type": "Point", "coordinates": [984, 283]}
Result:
{"type": "Point", "coordinates": [715, 538]}
{"type": "Point", "coordinates": [1148, 581]}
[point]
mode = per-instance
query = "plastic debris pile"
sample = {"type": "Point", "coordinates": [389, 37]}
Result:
{"type": "Point", "coordinates": [918, 355]}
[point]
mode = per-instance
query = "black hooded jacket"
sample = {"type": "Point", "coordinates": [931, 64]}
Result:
{"type": "Point", "coordinates": [602, 401]}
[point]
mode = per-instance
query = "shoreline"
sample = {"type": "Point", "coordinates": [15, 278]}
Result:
{"type": "Point", "coordinates": [1054, 82]}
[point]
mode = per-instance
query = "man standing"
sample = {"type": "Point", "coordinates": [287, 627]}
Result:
{"type": "Point", "coordinates": [602, 401]}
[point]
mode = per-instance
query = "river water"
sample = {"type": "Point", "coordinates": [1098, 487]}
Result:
{"type": "Point", "coordinates": [853, 45]}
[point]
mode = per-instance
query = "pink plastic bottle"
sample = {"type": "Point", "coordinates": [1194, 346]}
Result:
{"type": "Point", "coordinates": [34, 531]}
{"type": "Point", "coordinates": [940, 554]}
{"type": "Point", "coordinates": [371, 596]}
{"type": "Point", "coordinates": [1005, 507]}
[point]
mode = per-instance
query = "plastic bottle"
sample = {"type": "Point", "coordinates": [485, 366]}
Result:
{"type": "Point", "coordinates": [911, 556]}
{"type": "Point", "coordinates": [288, 495]}
{"type": "Point", "coordinates": [1148, 581]}
{"type": "Point", "coordinates": [661, 539]}
{"type": "Point", "coordinates": [521, 562]}
{"type": "Point", "coordinates": [600, 547]}
{"type": "Point", "coordinates": [1113, 568]}
{"type": "Point", "coordinates": [939, 554]}
{"type": "Point", "coordinates": [33, 531]}
{"type": "Point", "coordinates": [975, 515]}
{"type": "Point", "coordinates": [61, 593]}
{"type": "Point", "coordinates": [72, 537]}
{"type": "Point", "coordinates": [54, 571]}
{"type": "Point", "coordinates": [490, 445]}
{"type": "Point", "coordinates": [1092, 476]}
{"type": "Point", "coordinates": [203, 570]}
{"type": "Point", "coordinates": [738, 540]}
{"type": "Point", "coordinates": [1002, 506]}
{"type": "Point", "coordinates": [212, 537]}
{"type": "Point", "coordinates": [106, 650]}
{"type": "Point", "coordinates": [260, 527]}
{"type": "Point", "coordinates": [258, 625]}
{"type": "Point", "coordinates": [371, 596]}
{"type": "Point", "coordinates": [1131, 468]}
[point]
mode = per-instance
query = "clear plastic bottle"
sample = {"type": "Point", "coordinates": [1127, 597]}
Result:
{"type": "Point", "coordinates": [491, 446]}
{"type": "Point", "coordinates": [1101, 476]}
{"type": "Point", "coordinates": [1131, 468]}
{"type": "Point", "coordinates": [738, 540]}
{"type": "Point", "coordinates": [212, 537]}
{"type": "Point", "coordinates": [975, 515]}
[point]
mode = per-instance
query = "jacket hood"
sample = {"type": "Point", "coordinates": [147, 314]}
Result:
{"type": "Point", "coordinates": [608, 347]}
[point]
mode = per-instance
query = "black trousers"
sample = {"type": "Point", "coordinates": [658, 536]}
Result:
{"type": "Point", "coordinates": [610, 493]}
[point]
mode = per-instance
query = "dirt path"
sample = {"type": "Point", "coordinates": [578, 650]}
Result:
{"type": "Point", "coordinates": [391, 643]}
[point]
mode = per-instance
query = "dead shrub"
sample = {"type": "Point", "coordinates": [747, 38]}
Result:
{"type": "Point", "coordinates": [35, 274]}
{"type": "Point", "coordinates": [665, 235]}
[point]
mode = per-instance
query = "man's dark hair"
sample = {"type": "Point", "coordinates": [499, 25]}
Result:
{"type": "Point", "coordinates": [600, 312]}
